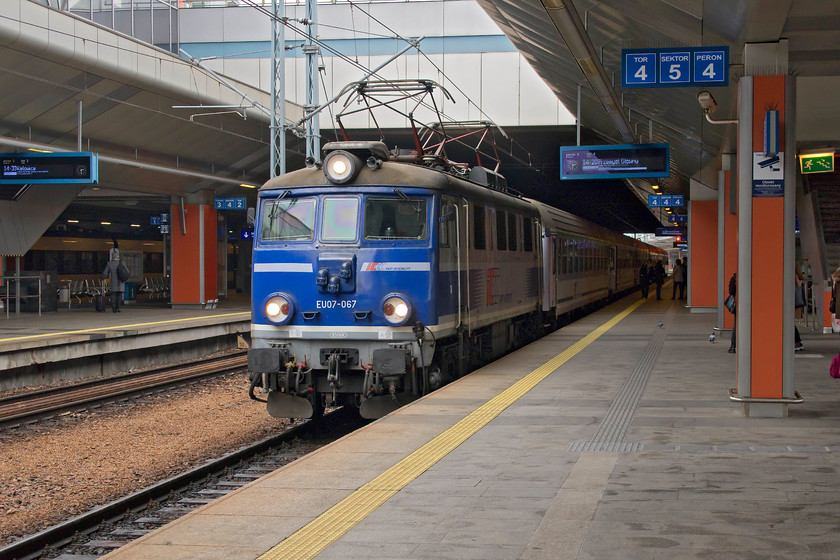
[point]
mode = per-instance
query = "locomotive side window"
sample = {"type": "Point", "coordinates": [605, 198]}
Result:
{"type": "Point", "coordinates": [501, 230]}
{"type": "Point", "coordinates": [288, 220]}
{"type": "Point", "coordinates": [479, 237]}
{"type": "Point", "coordinates": [512, 232]}
{"type": "Point", "coordinates": [340, 218]}
{"type": "Point", "coordinates": [396, 218]}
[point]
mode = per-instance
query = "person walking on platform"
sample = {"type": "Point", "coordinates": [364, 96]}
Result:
{"type": "Point", "coordinates": [659, 278]}
{"type": "Point", "coordinates": [644, 277]}
{"type": "Point", "coordinates": [115, 270]}
{"type": "Point", "coordinates": [799, 303]}
{"type": "Point", "coordinates": [679, 279]}
{"type": "Point", "coordinates": [733, 291]}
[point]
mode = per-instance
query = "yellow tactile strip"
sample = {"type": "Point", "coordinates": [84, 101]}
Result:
{"type": "Point", "coordinates": [244, 314]}
{"type": "Point", "coordinates": [311, 539]}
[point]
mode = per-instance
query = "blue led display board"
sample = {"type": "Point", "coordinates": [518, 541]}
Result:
{"type": "Point", "coordinates": [49, 168]}
{"type": "Point", "coordinates": [614, 162]}
{"type": "Point", "coordinates": [675, 67]}
{"type": "Point", "coordinates": [229, 203]}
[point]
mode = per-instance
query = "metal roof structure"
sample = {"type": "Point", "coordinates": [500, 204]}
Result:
{"type": "Point", "coordinates": [572, 42]}
{"type": "Point", "coordinates": [62, 73]}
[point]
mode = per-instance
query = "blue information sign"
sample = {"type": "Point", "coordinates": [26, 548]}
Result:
{"type": "Point", "coordinates": [246, 234]}
{"type": "Point", "coordinates": [639, 68]}
{"type": "Point", "coordinates": [164, 228]}
{"type": "Point", "coordinates": [653, 201]}
{"type": "Point", "coordinates": [677, 200]}
{"type": "Point", "coordinates": [668, 232]}
{"type": "Point", "coordinates": [614, 162]}
{"type": "Point", "coordinates": [678, 218]}
{"type": "Point", "coordinates": [155, 220]}
{"type": "Point", "coordinates": [665, 200]}
{"type": "Point", "coordinates": [49, 168]}
{"type": "Point", "coordinates": [675, 67]}
{"type": "Point", "coordinates": [164, 218]}
{"type": "Point", "coordinates": [711, 67]}
{"type": "Point", "coordinates": [230, 203]}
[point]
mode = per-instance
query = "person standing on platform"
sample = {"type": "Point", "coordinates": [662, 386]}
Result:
{"type": "Point", "coordinates": [659, 278]}
{"type": "Point", "coordinates": [644, 277]}
{"type": "Point", "coordinates": [733, 291]}
{"type": "Point", "coordinates": [113, 273]}
{"type": "Point", "coordinates": [679, 279]}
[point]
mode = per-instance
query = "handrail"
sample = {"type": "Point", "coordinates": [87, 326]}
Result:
{"type": "Point", "coordinates": [735, 397]}
{"type": "Point", "coordinates": [7, 280]}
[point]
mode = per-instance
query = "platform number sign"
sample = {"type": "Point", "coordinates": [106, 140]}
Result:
{"type": "Point", "coordinates": [640, 68]}
{"type": "Point", "coordinates": [675, 67]}
{"type": "Point", "coordinates": [710, 66]}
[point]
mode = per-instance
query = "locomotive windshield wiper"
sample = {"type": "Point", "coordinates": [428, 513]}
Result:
{"type": "Point", "coordinates": [273, 213]}
{"type": "Point", "coordinates": [413, 204]}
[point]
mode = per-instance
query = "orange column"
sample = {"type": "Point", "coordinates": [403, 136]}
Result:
{"type": "Point", "coordinates": [702, 233]}
{"type": "Point", "coordinates": [193, 255]}
{"type": "Point", "coordinates": [766, 341]}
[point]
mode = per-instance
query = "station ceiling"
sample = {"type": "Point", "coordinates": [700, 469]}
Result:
{"type": "Point", "coordinates": [605, 27]}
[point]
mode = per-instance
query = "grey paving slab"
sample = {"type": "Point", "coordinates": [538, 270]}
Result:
{"type": "Point", "coordinates": [702, 481]}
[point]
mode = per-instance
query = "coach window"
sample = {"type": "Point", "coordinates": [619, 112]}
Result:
{"type": "Point", "coordinates": [448, 211]}
{"type": "Point", "coordinates": [396, 218]}
{"type": "Point", "coordinates": [340, 218]}
{"type": "Point", "coordinates": [528, 234]}
{"type": "Point", "coordinates": [501, 230]}
{"type": "Point", "coordinates": [479, 235]}
{"type": "Point", "coordinates": [290, 219]}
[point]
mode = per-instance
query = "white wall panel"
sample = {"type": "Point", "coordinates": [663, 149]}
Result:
{"type": "Point", "coordinates": [499, 93]}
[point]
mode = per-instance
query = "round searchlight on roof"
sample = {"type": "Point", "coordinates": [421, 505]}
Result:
{"type": "Point", "coordinates": [341, 167]}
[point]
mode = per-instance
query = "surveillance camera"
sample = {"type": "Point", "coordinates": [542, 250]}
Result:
{"type": "Point", "coordinates": [707, 102]}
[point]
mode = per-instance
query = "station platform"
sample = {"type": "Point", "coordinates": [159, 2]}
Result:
{"type": "Point", "coordinates": [77, 342]}
{"type": "Point", "coordinates": [610, 438]}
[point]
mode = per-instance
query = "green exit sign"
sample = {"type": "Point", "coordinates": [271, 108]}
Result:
{"type": "Point", "coordinates": [816, 163]}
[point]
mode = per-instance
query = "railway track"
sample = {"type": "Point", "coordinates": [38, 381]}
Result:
{"type": "Point", "coordinates": [26, 407]}
{"type": "Point", "coordinates": [112, 525]}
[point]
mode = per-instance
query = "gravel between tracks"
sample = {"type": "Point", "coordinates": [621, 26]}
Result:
{"type": "Point", "coordinates": [54, 470]}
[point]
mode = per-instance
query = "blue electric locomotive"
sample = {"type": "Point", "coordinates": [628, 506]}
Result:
{"type": "Point", "coordinates": [376, 281]}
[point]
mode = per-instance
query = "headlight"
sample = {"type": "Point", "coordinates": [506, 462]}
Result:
{"type": "Point", "coordinates": [396, 309]}
{"type": "Point", "coordinates": [279, 308]}
{"type": "Point", "coordinates": [341, 167]}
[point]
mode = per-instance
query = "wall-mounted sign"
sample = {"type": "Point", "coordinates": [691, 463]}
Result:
{"type": "Point", "coordinates": [768, 175]}
{"type": "Point", "coordinates": [246, 234]}
{"type": "Point", "coordinates": [63, 167]}
{"type": "Point", "coordinates": [816, 163]}
{"type": "Point", "coordinates": [669, 232]}
{"type": "Point", "coordinates": [234, 203]}
{"type": "Point", "coordinates": [675, 67]}
{"type": "Point", "coordinates": [615, 162]}
{"type": "Point", "coordinates": [164, 228]}
{"type": "Point", "coordinates": [678, 218]}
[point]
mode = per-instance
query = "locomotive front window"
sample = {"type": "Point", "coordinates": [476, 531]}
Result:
{"type": "Point", "coordinates": [340, 218]}
{"type": "Point", "coordinates": [395, 218]}
{"type": "Point", "coordinates": [289, 219]}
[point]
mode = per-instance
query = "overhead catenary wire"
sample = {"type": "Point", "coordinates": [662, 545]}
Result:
{"type": "Point", "coordinates": [287, 22]}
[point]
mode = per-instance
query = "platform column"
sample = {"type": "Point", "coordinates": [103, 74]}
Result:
{"type": "Point", "coordinates": [194, 236]}
{"type": "Point", "coordinates": [727, 239]}
{"type": "Point", "coordinates": [766, 198]}
{"type": "Point", "coordinates": [702, 248]}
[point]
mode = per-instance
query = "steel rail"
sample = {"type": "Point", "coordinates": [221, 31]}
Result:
{"type": "Point", "coordinates": [39, 403]}
{"type": "Point", "coordinates": [58, 535]}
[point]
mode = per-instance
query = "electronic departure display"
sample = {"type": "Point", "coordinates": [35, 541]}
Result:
{"type": "Point", "coordinates": [65, 167]}
{"type": "Point", "coordinates": [615, 162]}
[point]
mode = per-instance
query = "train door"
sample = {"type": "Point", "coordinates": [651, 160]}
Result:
{"type": "Point", "coordinates": [613, 269]}
{"type": "Point", "coordinates": [550, 270]}
{"type": "Point", "coordinates": [454, 258]}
